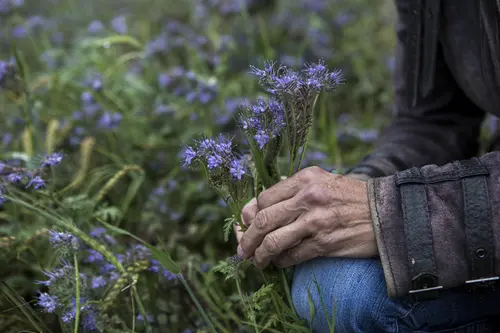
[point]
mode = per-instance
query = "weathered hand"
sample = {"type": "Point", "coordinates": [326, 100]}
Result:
{"type": "Point", "coordinates": [313, 213]}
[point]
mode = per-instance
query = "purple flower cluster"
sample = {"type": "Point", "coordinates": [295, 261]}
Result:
{"type": "Point", "coordinates": [96, 274]}
{"type": "Point", "coordinates": [282, 81]}
{"type": "Point", "coordinates": [176, 35]}
{"type": "Point", "coordinates": [94, 81]}
{"type": "Point", "coordinates": [216, 154]}
{"type": "Point", "coordinates": [60, 287]}
{"type": "Point", "coordinates": [158, 201]}
{"type": "Point", "coordinates": [263, 121]}
{"type": "Point", "coordinates": [63, 240]}
{"type": "Point", "coordinates": [6, 6]}
{"type": "Point", "coordinates": [298, 92]}
{"type": "Point", "coordinates": [92, 111]}
{"type": "Point", "coordinates": [15, 175]}
{"type": "Point", "coordinates": [188, 85]}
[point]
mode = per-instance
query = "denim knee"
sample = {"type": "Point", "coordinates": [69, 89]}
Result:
{"type": "Point", "coordinates": [353, 293]}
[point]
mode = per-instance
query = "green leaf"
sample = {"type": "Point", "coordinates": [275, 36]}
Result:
{"type": "Point", "coordinates": [108, 213]}
{"type": "Point", "coordinates": [162, 256]}
{"type": "Point", "coordinates": [16, 155]}
{"type": "Point", "coordinates": [312, 308]}
{"type": "Point", "coordinates": [19, 62]}
{"type": "Point", "coordinates": [113, 40]}
{"type": "Point", "coordinates": [228, 227]}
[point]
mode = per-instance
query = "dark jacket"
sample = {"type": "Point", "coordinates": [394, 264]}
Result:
{"type": "Point", "coordinates": [435, 206]}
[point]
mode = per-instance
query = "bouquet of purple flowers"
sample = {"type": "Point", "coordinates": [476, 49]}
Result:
{"type": "Point", "coordinates": [280, 123]}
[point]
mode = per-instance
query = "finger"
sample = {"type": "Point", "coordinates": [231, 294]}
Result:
{"type": "Point", "coordinates": [266, 221]}
{"type": "Point", "coordinates": [280, 240]}
{"type": "Point", "coordinates": [249, 211]}
{"type": "Point", "coordinates": [306, 250]}
{"type": "Point", "coordinates": [283, 190]}
{"type": "Point", "coordinates": [238, 232]}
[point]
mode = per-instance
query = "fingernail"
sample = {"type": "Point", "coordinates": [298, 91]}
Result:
{"type": "Point", "coordinates": [240, 251]}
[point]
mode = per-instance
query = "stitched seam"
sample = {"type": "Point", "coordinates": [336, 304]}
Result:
{"type": "Point", "coordinates": [467, 239]}
{"type": "Point", "coordinates": [443, 177]}
{"type": "Point", "coordinates": [382, 236]}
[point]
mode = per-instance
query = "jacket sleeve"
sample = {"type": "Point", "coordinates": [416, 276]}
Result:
{"type": "Point", "coordinates": [437, 128]}
{"type": "Point", "coordinates": [435, 207]}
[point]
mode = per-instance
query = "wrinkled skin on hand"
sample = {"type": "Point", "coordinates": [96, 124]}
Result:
{"type": "Point", "coordinates": [311, 214]}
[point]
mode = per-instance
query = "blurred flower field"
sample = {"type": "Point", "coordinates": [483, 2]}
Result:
{"type": "Point", "coordinates": [98, 99]}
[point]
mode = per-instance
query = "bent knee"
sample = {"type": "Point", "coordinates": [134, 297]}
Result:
{"type": "Point", "coordinates": [349, 292]}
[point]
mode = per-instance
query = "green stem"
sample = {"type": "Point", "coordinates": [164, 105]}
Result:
{"type": "Point", "coordinates": [293, 152]}
{"type": "Point", "coordinates": [77, 294]}
{"type": "Point", "coordinates": [248, 308]}
{"type": "Point", "coordinates": [197, 303]}
{"type": "Point", "coordinates": [303, 153]}
{"type": "Point", "coordinates": [287, 288]}
{"type": "Point", "coordinates": [274, 300]}
{"type": "Point", "coordinates": [142, 309]}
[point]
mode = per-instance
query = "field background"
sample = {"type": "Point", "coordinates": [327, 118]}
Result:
{"type": "Point", "coordinates": [117, 87]}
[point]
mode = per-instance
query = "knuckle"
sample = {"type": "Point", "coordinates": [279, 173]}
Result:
{"type": "Point", "coordinates": [313, 194]}
{"type": "Point", "coordinates": [316, 169]}
{"type": "Point", "coordinates": [261, 220]}
{"type": "Point", "coordinates": [261, 199]}
{"type": "Point", "coordinates": [305, 176]}
{"type": "Point", "coordinates": [248, 212]}
{"type": "Point", "coordinates": [293, 254]}
{"type": "Point", "coordinates": [270, 244]}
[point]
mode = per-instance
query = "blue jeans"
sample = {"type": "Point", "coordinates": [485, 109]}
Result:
{"type": "Point", "coordinates": [355, 290]}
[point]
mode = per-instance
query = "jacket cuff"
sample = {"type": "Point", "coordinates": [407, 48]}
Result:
{"type": "Point", "coordinates": [358, 176]}
{"type": "Point", "coordinates": [385, 216]}
{"type": "Point", "coordinates": [434, 225]}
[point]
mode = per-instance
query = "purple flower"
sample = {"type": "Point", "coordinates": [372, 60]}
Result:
{"type": "Point", "coordinates": [53, 159]}
{"type": "Point", "coordinates": [58, 273]}
{"type": "Point", "coordinates": [37, 183]}
{"type": "Point", "coordinates": [261, 138]}
{"type": "Point", "coordinates": [7, 138]}
{"type": "Point", "coordinates": [96, 232]}
{"type": "Point", "coordinates": [169, 275]}
{"type": "Point", "coordinates": [164, 109]}
{"type": "Point", "coordinates": [189, 154]}
{"type": "Point", "coordinates": [164, 80]}
{"type": "Point", "coordinates": [60, 239]}
{"type": "Point", "coordinates": [47, 302]}
{"type": "Point", "coordinates": [94, 256]}
{"type": "Point", "coordinates": [223, 145]}
{"type": "Point", "coordinates": [110, 120]}
{"type": "Point", "coordinates": [138, 252]}
{"type": "Point", "coordinates": [238, 168]}
{"type": "Point", "coordinates": [14, 178]}
{"type": "Point", "coordinates": [155, 266]}
{"type": "Point", "coordinates": [98, 282]}
{"type": "Point", "coordinates": [140, 317]}
{"type": "Point", "coordinates": [95, 26]}
{"type": "Point", "coordinates": [68, 316]}
{"type": "Point", "coordinates": [119, 24]}
{"type": "Point", "coordinates": [107, 268]}
{"type": "Point", "coordinates": [86, 97]}
{"type": "Point", "coordinates": [89, 320]}
{"type": "Point", "coordinates": [157, 45]}
{"type": "Point", "coordinates": [214, 161]}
